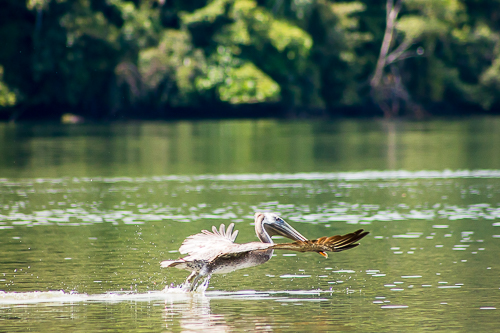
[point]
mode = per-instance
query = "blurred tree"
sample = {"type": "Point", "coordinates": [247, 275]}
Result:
{"type": "Point", "coordinates": [7, 96]}
{"type": "Point", "coordinates": [230, 52]}
{"type": "Point", "coordinates": [338, 55]}
{"type": "Point", "coordinates": [252, 56]}
{"type": "Point", "coordinates": [156, 58]}
{"type": "Point", "coordinates": [61, 54]}
{"type": "Point", "coordinates": [454, 58]}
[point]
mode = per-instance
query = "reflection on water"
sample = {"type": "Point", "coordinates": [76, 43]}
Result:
{"type": "Point", "coordinates": [182, 310]}
{"type": "Point", "coordinates": [194, 315]}
{"type": "Point", "coordinates": [87, 214]}
{"type": "Point", "coordinates": [236, 147]}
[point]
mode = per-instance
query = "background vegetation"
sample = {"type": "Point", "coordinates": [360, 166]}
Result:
{"type": "Point", "coordinates": [146, 59]}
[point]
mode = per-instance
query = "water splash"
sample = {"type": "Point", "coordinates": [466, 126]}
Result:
{"type": "Point", "coordinates": [60, 296]}
{"type": "Point", "coordinates": [198, 286]}
{"type": "Point", "coordinates": [171, 294]}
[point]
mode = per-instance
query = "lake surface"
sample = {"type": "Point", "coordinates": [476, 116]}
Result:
{"type": "Point", "coordinates": [87, 213]}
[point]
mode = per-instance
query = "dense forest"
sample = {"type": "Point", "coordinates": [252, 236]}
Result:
{"type": "Point", "coordinates": [164, 59]}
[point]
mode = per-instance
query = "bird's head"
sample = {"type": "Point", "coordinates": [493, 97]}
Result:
{"type": "Point", "coordinates": [270, 224]}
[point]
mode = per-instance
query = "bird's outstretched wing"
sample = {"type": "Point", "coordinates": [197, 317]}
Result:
{"type": "Point", "coordinates": [205, 246]}
{"type": "Point", "coordinates": [206, 243]}
{"type": "Point", "coordinates": [325, 244]}
{"type": "Point", "coordinates": [321, 245]}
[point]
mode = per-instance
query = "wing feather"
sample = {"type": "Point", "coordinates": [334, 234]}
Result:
{"type": "Point", "coordinates": [207, 245]}
{"type": "Point", "coordinates": [325, 244]}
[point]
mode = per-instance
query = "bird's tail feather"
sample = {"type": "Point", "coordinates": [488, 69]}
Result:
{"type": "Point", "coordinates": [170, 263]}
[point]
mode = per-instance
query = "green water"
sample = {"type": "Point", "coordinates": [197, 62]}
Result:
{"type": "Point", "coordinates": [87, 213]}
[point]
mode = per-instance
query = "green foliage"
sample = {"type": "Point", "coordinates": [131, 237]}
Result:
{"type": "Point", "coordinates": [431, 18]}
{"type": "Point", "coordinates": [490, 82]}
{"type": "Point", "coordinates": [107, 58]}
{"type": "Point", "coordinates": [337, 51]}
{"type": "Point", "coordinates": [248, 84]}
{"type": "Point", "coordinates": [7, 97]}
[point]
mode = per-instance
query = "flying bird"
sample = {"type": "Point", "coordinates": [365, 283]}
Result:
{"type": "Point", "coordinates": [216, 252]}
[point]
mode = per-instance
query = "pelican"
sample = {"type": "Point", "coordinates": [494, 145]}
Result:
{"type": "Point", "coordinates": [216, 252]}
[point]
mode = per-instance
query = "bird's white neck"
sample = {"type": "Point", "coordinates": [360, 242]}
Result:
{"type": "Point", "coordinates": [260, 230]}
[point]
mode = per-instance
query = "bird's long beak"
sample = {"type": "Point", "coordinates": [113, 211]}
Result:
{"type": "Point", "coordinates": [282, 228]}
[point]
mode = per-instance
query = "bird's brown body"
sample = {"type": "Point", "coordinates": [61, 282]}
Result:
{"type": "Point", "coordinates": [216, 253]}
